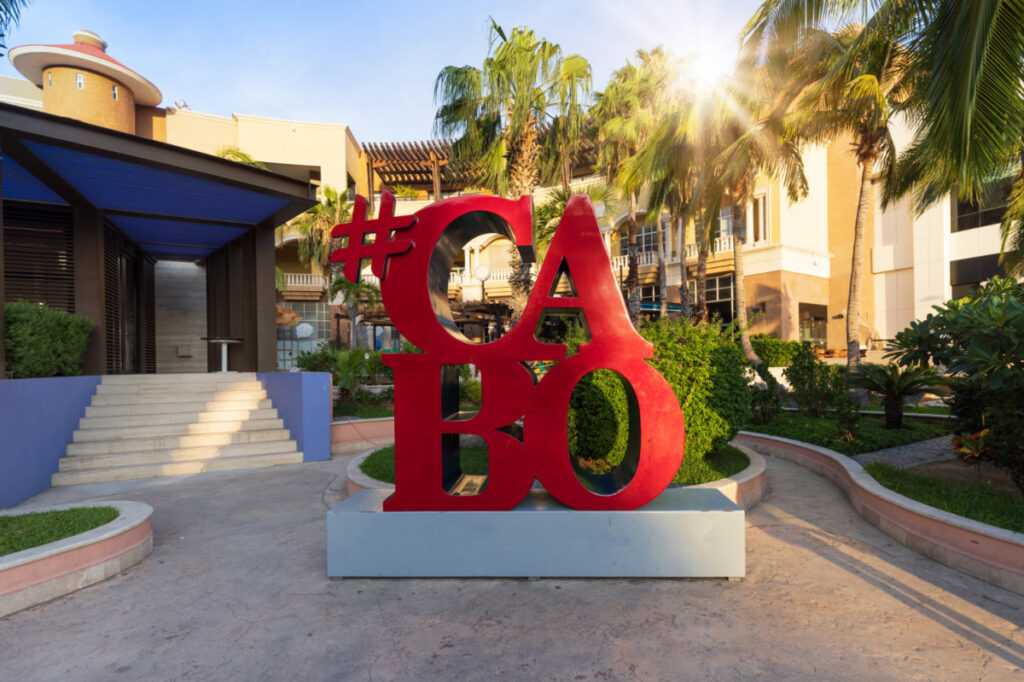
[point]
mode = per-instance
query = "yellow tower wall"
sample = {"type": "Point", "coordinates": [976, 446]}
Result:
{"type": "Point", "coordinates": [94, 103]}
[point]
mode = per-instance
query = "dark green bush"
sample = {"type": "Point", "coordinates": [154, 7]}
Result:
{"type": "Point", "coordinates": [978, 339]}
{"type": "Point", "coordinates": [706, 370]}
{"type": "Point", "coordinates": [773, 351]}
{"type": "Point", "coordinates": [815, 385]}
{"type": "Point", "coordinates": [323, 359]}
{"type": "Point", "coordinates": [765, 398]}
{"type": "Point", "coordinates": [43, 342]}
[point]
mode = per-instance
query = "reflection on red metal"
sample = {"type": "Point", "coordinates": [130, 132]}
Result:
{"type": "Point", "coordinates": [522, 420]}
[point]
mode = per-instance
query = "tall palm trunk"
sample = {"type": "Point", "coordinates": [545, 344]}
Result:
{"type": "Point", "coordinates": [685, 311]}
{"type": "Point", "coordinates": [701, 281]}
{"type": "Point", "coordinates": [632, 252]}
{"type": "Point", "coordinates": [662, 274]}
{"type": "Point", "coordinates": [523, 176]}
{"type": "Point", "coordinates": [739, 284]}
{"type": "Point", "coordinates": [856, 270]}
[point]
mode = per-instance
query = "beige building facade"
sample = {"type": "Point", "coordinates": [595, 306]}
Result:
{"type": "Point", "coordinates": [797, 255]}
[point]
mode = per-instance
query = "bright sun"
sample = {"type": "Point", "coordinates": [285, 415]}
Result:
{"type": "Point", "coordinates": [708, 67]}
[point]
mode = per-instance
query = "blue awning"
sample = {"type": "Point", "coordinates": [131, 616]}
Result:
{"type": "Point", "coordinates": [173, 202]}
{"type": "Point", "coordinates": [18, 183]}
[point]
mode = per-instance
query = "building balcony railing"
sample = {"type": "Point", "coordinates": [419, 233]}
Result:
{"type": "Point", "coordinates": [721, 244]}
{"type": "Point", "coordinates": [304, 280]}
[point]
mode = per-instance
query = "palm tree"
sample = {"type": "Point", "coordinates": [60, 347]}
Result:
{"type": "Point", "coordinates": [10, 14]}
{"type": "Point", "coordinates": [668, 162]}
{"type": "Point", "coordinates": [497, 111]}
{"type": "Point", "coordinates": [625, 114]}
{"type": "Point", "coordinates": [858, 98]}
{"type": "Point", "coordinates": [315, 225]}
{"type": "Point", "coordinates": [237, 155]}
{"type": "Point", "coordinates": [967, 107]}
{"type": "Point", "coordinates": [548, 213]}
{"type": "Point", "coordinates": [894, 384]}
{"type": "Point", "coordinates": [756, 133]}
{"type": "Point", "coordinates": [353, 293]}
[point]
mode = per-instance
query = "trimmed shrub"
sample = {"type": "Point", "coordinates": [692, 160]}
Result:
{"type": "Point", "coordinates": [773, 351]}
{"type": "Point", "coordinates": [705, 368]}
{"type": "Point", "coordinates": [816, 385]}
{"type": "Point", "coordinates": [323, 359]}
{"type": "Point", "coordinates": [43, 342]}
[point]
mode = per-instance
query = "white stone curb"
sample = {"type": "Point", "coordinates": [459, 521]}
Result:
{"type": "Point", "coordinates": [130, 515]}
{"type": "Point", "coordinates": [730, 486]}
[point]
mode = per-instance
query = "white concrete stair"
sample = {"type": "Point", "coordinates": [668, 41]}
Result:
{"type": "Point", "coordinates": [144, 426]}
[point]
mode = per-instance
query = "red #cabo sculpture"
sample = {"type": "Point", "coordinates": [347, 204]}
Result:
{"type": "Point", "coordinates": [412, 256]}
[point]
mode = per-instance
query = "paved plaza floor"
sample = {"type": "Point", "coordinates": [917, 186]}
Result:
{"type": "Point", "coordinates": [235, 589]}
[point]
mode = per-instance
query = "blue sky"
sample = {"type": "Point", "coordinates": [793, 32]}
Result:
{"type": "Point", "coordinates": [371, 65]}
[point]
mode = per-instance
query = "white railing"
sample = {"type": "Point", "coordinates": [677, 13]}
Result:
{"type": "Point", "coordinates": [497, 275]}
{"type": "Point", "coordinates": [642, 258]}
{"type": "Point", "coordinates": [721, 244]}
{"type": "Point", "coordinates": [455, 276]}
{"type": "Point", "coordinates": [305, 279]}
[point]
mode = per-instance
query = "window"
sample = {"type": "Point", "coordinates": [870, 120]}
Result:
{"type": "Point", "coordinates": [79, 81]}
{"type": "Point", "coordinates": [724, 222]}
{"type": "Point", "coordinates": [761, 232]}
{"type": "Point", "coordinates": [114, 91]}
{"type": "Point", "coordinates": [646, 240]}
{"type": "Point", "coordinates": [988, 210]}
{"type": "Point", "coordinates": [49, 80]}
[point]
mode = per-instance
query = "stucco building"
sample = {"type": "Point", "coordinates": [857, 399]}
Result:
{"type": "Point", "coordinates": [797, 254]}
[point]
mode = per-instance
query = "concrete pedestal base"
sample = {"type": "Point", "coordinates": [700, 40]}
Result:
{"type": "Point", "coordinates": [681, 534]}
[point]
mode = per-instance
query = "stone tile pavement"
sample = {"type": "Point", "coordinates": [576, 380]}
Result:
{"type": "Point", "coordinates": [235, 589]}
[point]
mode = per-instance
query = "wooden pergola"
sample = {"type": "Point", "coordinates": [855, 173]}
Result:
{"type": "Point", "coordinates": [427, 165]}
{"type": "Point", "coordinates": [422, 165]}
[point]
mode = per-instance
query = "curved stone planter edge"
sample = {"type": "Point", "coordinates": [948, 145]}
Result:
{"type": "Point", "coordinates": [746, 488]}
{"type": "Point", "coordinates": [39, 574]}
{"type": "Point", "coordinates": [995, 555]}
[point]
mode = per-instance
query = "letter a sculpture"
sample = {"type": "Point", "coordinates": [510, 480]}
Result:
{"type": "Point", "coordinates": [522, 419]}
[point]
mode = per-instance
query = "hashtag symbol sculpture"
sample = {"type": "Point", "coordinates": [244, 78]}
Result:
{"type": "Point", "coordinates": [362, 238]}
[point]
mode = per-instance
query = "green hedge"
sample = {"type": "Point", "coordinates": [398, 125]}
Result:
{"type": "Point", "coordinates": [704, 366]}
{"type": "Point", "coordinates": [774, 351]}
{"type": "Point", "coordinates": [43, 342]}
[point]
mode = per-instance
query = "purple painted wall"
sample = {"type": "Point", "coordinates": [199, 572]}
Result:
{"type": "Point", "coordinates": [37, 420]}
{"type": "Point", "coordinates": [303, 400]}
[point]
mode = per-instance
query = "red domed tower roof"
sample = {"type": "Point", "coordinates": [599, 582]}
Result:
{"type": "Point", "coordinates": [89, 52]}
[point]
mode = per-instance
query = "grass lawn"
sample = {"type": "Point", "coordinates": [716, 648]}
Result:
{"type": "Point", "coordinates": [24, 531]}
{"type": "Point", "coordinates": [726, 462]}
{"type": "Point", "coordinates": [872, 435]}
{"type": "Point", "coordinates": [976, 501]}
{"type": "Point", "coordinates": [911, 409]}
{"type": "Point", "coordinates": [719, 464]}
{"type": "Point", "coordinates": [381, 463]}
{"type": "Point", "coordinates": [362, 411]}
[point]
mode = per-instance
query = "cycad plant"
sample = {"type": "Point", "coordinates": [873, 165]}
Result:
{"type": "Point", "coordinates": [894, 384]}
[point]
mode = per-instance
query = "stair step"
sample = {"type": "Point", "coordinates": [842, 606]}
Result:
{"type": "Point", "coordinates": [193, 378]}
{"type": "Point", "coordinates": [80, 462]}
{"type": "Point", "coordinates": [171, 442]}
{"type": "Point", "coordinates": [134, 432]}
{"type": "Point", "coordinates": [138, 388]}
{"type": "Point", "coordinates": [162, 398]}
{"type": "Point", "coordinates": [195, 417]}
{"type": "Point", "coordinates": [192, 406]}
{"type": "Point", "coordinates": [122, 473]}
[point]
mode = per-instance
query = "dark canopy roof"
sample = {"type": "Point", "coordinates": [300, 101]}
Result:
{"type": "Point", "coordinates": [174, 202]}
